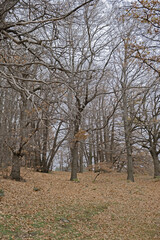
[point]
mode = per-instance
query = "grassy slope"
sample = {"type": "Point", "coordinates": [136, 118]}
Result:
{"type": "Point", "coordinates": [49, 206]}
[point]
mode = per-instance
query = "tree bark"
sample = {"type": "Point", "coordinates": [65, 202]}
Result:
{"type": "Point", "coordinates": [127, 131]}
{"type": "Point", "coordinates": [129, 162]}
{"type": "Point", "coordinates": [15, 172]}
{"type": "Point", "coordinates": [44, 167]}
{"type": "Point", "coordinates": [81, 151]}
{"type": "Point", "coordinates": [112, 141]}
{"type": "Point", "coordinates": [74, 146]}
{"type": "Point", "coordinates": [128, 145]}
{"type": "Point", "coordinates": [127, 123]}
{"type": "Point", "coordinates": [156, 163]}
{"type": "Point", "coordinates": [74, 157]}
{"type": "Point", "coordinates": [90, 152]}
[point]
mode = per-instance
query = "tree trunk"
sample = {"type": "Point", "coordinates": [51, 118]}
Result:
{"type": "Point", "coordinates": [74, 158]}
{"type": "Point", "coordinates": [101, 146]}
{"type": "Point", "coordinates": [126, 119]}
{"type": "Point", "coordinates": [89, 154]}
{"type": "Point", "coordinates": [106, 143]}
{"type": "Point", "coordinates": [44, 167]}
{"type": "Point", "coordinates": [129, 162]}
{"type": "Point", "coordinates": [112, 141]}
{"type": "Point", "coordinates": [156, 163]}
{"type": "Point", "coordinates": [95, 156]}
{"type": "Point", "coordinates": [74, 146]}
{"type": "Point", "coordinates": [127, 129]}
{"type": "Point", "coordinates": [81, 150]}
{"type": "Point", "coordinates": [129, 150]}
{"type": "Point", "coordinates": [15, 172]}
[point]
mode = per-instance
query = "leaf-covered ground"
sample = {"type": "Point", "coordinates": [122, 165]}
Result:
{"type": "Point", "coordinates": [49, 206]}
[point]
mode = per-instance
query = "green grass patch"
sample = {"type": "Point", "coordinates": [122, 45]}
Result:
{"type": "Point", "coordinates": [63, 223]}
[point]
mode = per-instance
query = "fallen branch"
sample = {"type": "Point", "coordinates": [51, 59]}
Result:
{"type": "Point", "coordinates": [97, 176]}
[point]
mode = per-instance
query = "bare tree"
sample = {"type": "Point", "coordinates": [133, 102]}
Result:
{"type": "Point", "coordinates": [27, 30]}
{"type": "Point", "coordinates": [84, 58]}
{"type": "Point", "coordinates": [148, 121]}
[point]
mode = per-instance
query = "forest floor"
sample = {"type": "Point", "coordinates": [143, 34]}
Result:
{"type": "Point", "coordinates": [49, 206]}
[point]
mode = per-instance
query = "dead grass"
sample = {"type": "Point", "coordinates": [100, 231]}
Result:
{"type": "Point", "coordinates": [49, 206]}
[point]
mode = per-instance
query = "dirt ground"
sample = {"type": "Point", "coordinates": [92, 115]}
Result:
{"type": "Point", "coordinates": [49, 206]}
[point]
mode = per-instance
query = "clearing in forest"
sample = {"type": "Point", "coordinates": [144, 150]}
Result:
{"type": "Point", "coordinates": [49, 206]}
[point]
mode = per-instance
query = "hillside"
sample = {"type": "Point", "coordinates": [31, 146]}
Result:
{"type": "Point", "coordinates": [49, 206]}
